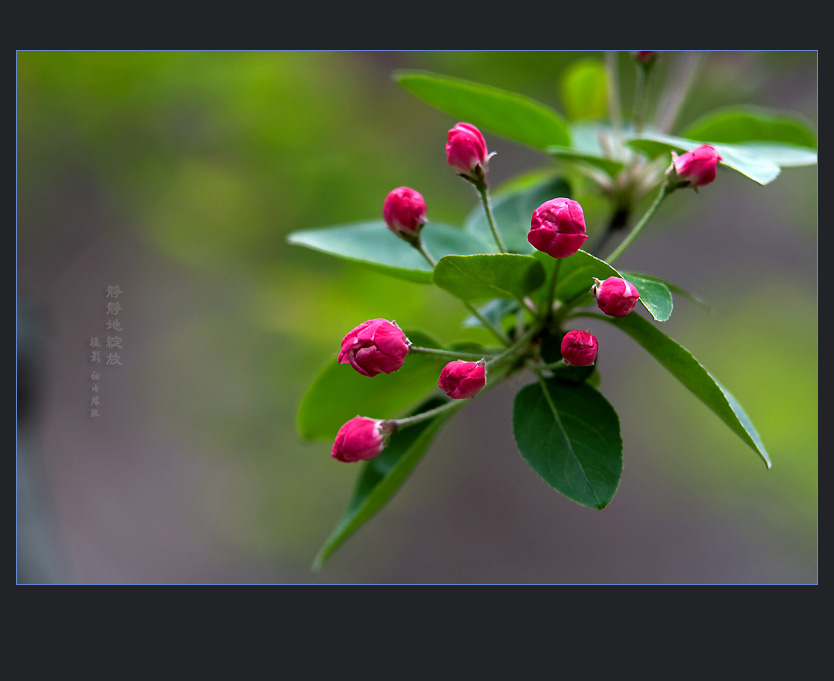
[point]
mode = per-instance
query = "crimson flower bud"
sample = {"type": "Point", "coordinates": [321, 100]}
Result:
{"type": "Point", "coordinates": [645, 56]}
{"type": "Point", "coordinates": [461, 380]}
{"type": "Point", "coordinates": [404, 212]}
{"type": "Point", "coordinates": [359, 439]}
{"type": "Point", "coordinates": [557, 228]}
{"type": "Point", "coordinates": [466, 152]}
{"type": "Point", "coordinates": [616, 297]}
{"type": "Point", "coordinates": [373, 347]}
{"type": "Point", "coordinates": [579, 348]}
{"type": "Point", "coordinates": [694, 168]}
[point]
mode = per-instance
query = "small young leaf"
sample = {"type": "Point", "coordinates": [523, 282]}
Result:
{"type": "Point", "coordinates": [339, 392]}
{"type": "Point", "coordinates": [505, 113]}
{"type": "Point", "coordinates": [683, 366]}
{"type": "Point", "coordinates": [500, 275]}
{"type": "Point", "coordinates": [512, 212]}
{"type": "Point", "coordinates": [373, 245]}
{"type": "Point", "coordinates": [570, 435]}
{"type": "Point", "coordinates": [380, 478]}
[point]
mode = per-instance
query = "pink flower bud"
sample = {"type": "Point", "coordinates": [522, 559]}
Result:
{"type": "Point", "coordinates": [373, 347]}
{"type": "Point", "coordinates": [404, 212]}
{"type": "Point", "coordinates": [359, 439]}
{"type": "Point", "coordinates": [694, 168]}
{"type": "Point", "coordinates": [579, 348]}
{"type": "Point", "coordinates": [557, 228]}
{"type": "Point", "coordinates": [616, 297]}
{"type": "Point", "coordinates": [461, 380]}
{"type": "Point", "coordinates": [645, 56]}
{"type": "Point", "coordinates": [466, 151]}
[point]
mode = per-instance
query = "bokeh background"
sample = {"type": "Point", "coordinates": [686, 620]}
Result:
{"type": "Point", "coordinates": [178, 175]}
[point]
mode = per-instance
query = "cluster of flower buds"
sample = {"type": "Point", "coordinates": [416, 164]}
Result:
{"type": "Point", "coordinates": [557, 227]}
{"type": "Point", "coordinates": [379, 346]}
{"type": "Point", "coordinates": [694, 168]}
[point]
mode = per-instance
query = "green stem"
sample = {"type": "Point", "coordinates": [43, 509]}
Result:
{"type": "Point", "coordinates": [418, 244]}
{"type": "Point", "coordinates": [551, 292]}
{"type": "Point", "coordinates": [500, 335]}
{"type": "Point", "coordinates": [483, 190]}
{"type": "Point", "coordinates": [422, 248]}
{"type": "Point", "coordinates": [448, 353]}
{"type": "Point", "coordinates": [393, 425]}
{"type": "Point", "coordinates": [665, 190]}
{"type": "Point", "coordinates": [518, 345]}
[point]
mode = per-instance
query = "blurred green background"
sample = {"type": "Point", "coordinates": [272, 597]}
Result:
{"type": "Point", "coordinates": [178, 175]}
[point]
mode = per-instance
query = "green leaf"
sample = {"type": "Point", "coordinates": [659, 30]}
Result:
{"type": "Point", "coordinates": [512, 212]}
{"type": "Point", "coordinates": [380, 478]}
{"type": "Point", "coordinates": [751, 124]}
{"type": "Point", "coordinates": [655, 296]}
{"type": "Point", "coordinates": [371, 244]}
{"type": "Point", "coordinates": [505, 113]}
{"type": "Point", "coordinates": [585, 90]}
{"type": "Point", "coordinates": [339, 392]}
{"type": "Point", "coordinates": [499, 275]}
{"type": "Point", "coordinates": [736, 156]}
{"type": "Point", "coordinates": [683, 366]}
{"type": "Point", "coordinates": [570, 435]}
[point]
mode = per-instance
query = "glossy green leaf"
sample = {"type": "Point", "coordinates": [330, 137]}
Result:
{"type": "Point", "coordinates": [570, 435]}
{"type": "Point", "coordinates": [783, 155]}
{"type": "Point", "coordinates": [499, 275]}
{"type": "Point", "coordinates": [339, 392]}
{"type": "Point", "coordinates": [655, 296]}
{"type": "Point", "coordinates": [492, 109]}
{"type": "Point", "coordinates": [381, 478]}
{"type": "Point", "coordinates": [751, 124]}
{"type": "Point", "coordinates": [745, 161]}
{"type": "Point", "coordinates": [683, 366]}
{"type": "Point", "coordinates": [512, 212]}
{"type": "Point", "coordinates": [371, 244]}
{"type": "Point", "coordinates": [584, 88]}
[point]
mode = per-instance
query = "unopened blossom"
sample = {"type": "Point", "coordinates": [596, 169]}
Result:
{"type": "Point", "coordinates": [404, 211]}
{"type": "Point", "coordinates": [579, 348]}
{"type": "Point", "coordinates": [694, 168]}
{"type": "Point", "coordinates": [615, 296]}
{"type": "Point", "coordinates": [461, 380]}
{"type": "Point", "coordinates": [359, 439]}
{"type": "Point", "coordinates": [466, 152]}
{"type": "Point", "coordinates": [557, 227]}
{"type": "Point", "coordinates": [375, 346]}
